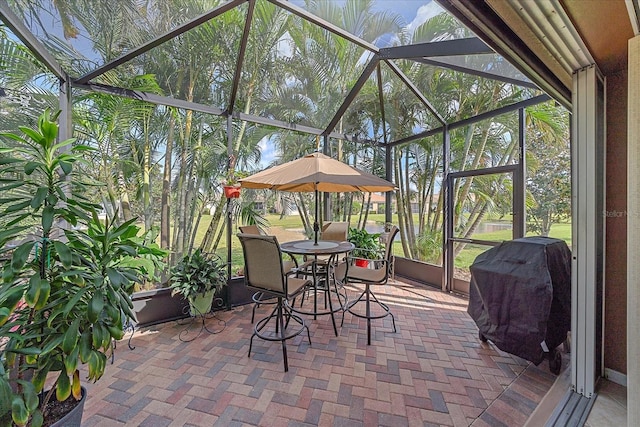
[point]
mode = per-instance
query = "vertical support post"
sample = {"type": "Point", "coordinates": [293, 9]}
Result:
{"type": "Point", "coordinates": [229, 225]}
{"type": "Point", "coordinates": [447, 223]}
{"type": "Point", "coordinates": [65, 131]}
{"type": "Point", "coordinates": [633, 232]}
{"type": "Point", "coordinates": [65, 121]}
{"type": "Point", "coordinates": [388, 154]}
{"type": "Point", "coordinates": [327, 211]}
{"type": "Point", "coordinates": [388, 165]}
{"type": "Point", "coordinates": [519, 222]}
{"type": "Point", "coordinates": [587, 268]}
{"type": "Point", "coordinates": [230, 165]}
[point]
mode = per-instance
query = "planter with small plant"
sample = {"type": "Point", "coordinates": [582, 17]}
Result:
{"type": "Point", "coordinates": [231, 187]}
{"type": "Point", "coordinates": [198, 277]}
{"type": "Point", "coordinates": [367, 246]}
{"type": "Point", "coordinates": [67, 279]}
{"type": "Point", "coordinates": [231, 191]}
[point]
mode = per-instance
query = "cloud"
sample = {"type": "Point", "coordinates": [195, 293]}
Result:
{"type": "Point", "coordinates": [267, 150]}
{"type": "Point", "coordinates": [424, 13]}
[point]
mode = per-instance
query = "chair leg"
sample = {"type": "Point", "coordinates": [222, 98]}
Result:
{"type": "Point", "coordinates": [258, 328]}
{"type": "Point", "coordinates": [251, 344]}
{"type": "Point", "coordinates": [386, 308]}
{"type": "Point", "coordinates": [368, 312]}
{"type": "Point", "coordinates": [367, 297]}
{"type": "Point", "coordinates": [256, 297]}
{"type": "Point", "coordinates": [280, 321]}
{"type": "Point", "coordinates": [393, 320]}
{"type": "Point", "coordinates": [328, 296]}
{"type": "Point", "coordinates": [253, 312]}
{"type": "Point", "coordinates": [282, 331]}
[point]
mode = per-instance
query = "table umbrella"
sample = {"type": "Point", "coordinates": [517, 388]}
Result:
{"type": "Point", "coordinates": [316, 172]}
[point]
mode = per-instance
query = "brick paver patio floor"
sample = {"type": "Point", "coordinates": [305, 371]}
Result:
{"type": "Point", "coordinates": [433, 371]}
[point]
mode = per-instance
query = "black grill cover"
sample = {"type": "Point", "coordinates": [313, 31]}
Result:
{"type": "Point", "coordinates": [520, 295]}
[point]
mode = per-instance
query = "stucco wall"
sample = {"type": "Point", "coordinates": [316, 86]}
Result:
{"type": "Point", "coordinates": [615, 343]}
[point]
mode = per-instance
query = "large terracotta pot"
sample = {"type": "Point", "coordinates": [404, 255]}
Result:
{"type": "Point", "coordinates": [231, 192]}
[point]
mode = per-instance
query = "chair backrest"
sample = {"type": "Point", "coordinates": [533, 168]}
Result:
{"type": "Point", "coordinates": [387, 238]}
{"type": "Point", "coordinates": [335, 231]}
{"type": "Point", "coordinates": [250, 229]}
{"type": "Point", "coordinates": [262, 263]}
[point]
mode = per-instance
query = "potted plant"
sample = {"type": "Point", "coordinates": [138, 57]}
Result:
{"type": "Point", "coordinates": [367, 246]}
{"type": "Point", "coordinates": [231, 187]}
{"type": "Point", "coordinates": [198, 277]}
{"type": "Point", "coordinates": [66, 279]}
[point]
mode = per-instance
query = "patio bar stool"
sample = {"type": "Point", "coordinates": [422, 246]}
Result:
{"type": "Point", "coordinates": [369, 277]}
{"type": "Point", "coordinates": [260, 297]}
{"type": "Point", "coordinates": [264, 272]}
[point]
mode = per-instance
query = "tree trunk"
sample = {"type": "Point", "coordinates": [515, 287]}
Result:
{"type": "Point", "coordinates": [165, 203]}
{"type": "Point", "coordinates": [476, 162]}
{"type": "Point", "coordinates": [459, 247]}
{"type": "Point", "coordinates": [124, 197]}
{"type": "Point", "coordinates": [207, 241]}
{"type": "Point", "coordinates": [302, 211]}
{"type": "Point", "coordinates": [221, 232]}
{"type": "Point", "coordinates": [365, 207]}
{"type": "Point", "coordinates": [113, 201]}
{"type": "Point", "coordinates": [546, 225]}
{"type": "Point", "coordinates": [179, 224]}
{"type": "Point", "coordinates": [411, 234]}
{"type": "Point", "coordinates": [194, 232]}
{"type": "Point", "coordinates": [361, 215]}
{"type": "Point", "coordinates": [147, 159]}
{"type": "Point", "coordinates": [193, 186]}
{"type": "Point", "coordinates": [401, 204]}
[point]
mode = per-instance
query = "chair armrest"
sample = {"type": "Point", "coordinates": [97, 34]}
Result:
{"type": "Point", "coordinates": [294, 259]}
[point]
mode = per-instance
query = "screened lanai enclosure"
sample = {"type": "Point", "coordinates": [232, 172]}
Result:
{"type": "Point", "coordinates": [182, 97]}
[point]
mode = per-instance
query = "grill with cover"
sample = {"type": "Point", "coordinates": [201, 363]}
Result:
{"type": "Point", "coordinates": [520, 297]}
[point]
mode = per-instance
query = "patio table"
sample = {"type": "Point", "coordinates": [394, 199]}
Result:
{"type": "Point", "coordinates": [320, 271]}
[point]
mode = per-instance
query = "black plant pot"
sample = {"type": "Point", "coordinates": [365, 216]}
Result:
{"type": "Point", "coordinates": [237, 292]}
{"type": "Point", "coordinates": [74, 417]}
{"type": "Point", "coordinates": [158, 306]}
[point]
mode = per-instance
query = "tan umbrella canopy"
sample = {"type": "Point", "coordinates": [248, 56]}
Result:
{"type": "Point", "coordinates": [316, 172]}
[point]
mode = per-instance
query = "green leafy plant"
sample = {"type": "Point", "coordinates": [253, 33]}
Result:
{"type": "Point", "coordinates": [67, 278]}
{"type": "Point", "coordinates": [198, 273]}
{"type": "Point", "coordinates": [367, 244]}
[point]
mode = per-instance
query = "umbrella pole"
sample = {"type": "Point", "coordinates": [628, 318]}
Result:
{"type": "Point", "coordinates": [316, 227]}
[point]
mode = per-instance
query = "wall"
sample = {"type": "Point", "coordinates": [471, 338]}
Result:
{"type": "Point", "coordinates": [615, 344]}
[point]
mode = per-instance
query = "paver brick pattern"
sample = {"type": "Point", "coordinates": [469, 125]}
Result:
{"type": "Point", "coordinates": [433, 371]}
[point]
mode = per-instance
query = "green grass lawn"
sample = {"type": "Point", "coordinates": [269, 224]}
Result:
{"type": "Point", "coordinates": [463, 260]}
{"type": "Point", "coordinates": [470, 252]}
{"type": "Point", "coordinates": [287, 222]}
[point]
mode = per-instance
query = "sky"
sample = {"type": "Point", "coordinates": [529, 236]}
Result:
{"type": "Point", "coordinates": [414, 12]}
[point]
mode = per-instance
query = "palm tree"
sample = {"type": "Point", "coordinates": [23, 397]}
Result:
{"type": "Point", "coordinates": [26, 85]}
{"type": "Point", "coordinates": [323, 68]}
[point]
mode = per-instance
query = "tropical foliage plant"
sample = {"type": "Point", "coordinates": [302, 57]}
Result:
{"type": "Point", "coordinates": [67, 275]}
{"type": "Point", "coordinates": [367, 245]}
{"type": "Point", "coordinates": [198, 273]}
